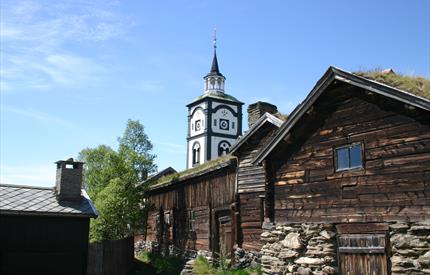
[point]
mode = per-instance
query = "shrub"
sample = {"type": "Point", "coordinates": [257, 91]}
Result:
{"type": "Point", "coordinates": [163, 265]}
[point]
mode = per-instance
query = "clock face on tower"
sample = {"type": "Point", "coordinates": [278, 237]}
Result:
{"type": "Point", "coordinates": [224, 124]}
{"type": "Point", "coordinates": [198, 125]}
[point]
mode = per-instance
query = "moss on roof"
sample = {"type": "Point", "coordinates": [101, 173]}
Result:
{"type": "Point", "coordinates": [416, 85]}
{"type": "Point", "coordinates": [189, 173]}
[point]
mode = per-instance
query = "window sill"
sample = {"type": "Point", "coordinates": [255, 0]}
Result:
{"type": "Point", "coordinates": [357, 168]}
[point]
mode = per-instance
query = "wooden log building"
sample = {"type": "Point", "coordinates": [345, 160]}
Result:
{"type": "Point", "coordinates": [342, 186]}
{"type": "Point", "coordinates": [45, 230]}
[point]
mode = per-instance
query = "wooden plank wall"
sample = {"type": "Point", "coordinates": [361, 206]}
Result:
{"type": "Point", "coordinates": [252, 178]}
{"type": "Point", "coordinates": [203, 195]}
{"type": "Point", "coordinates": [111, 257]}
{"type": "Point", "coordinates": [251, 187]}
{"type": "Point", "coordinates": [394, 183]}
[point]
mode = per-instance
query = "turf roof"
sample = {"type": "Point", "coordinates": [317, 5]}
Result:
{"type": "Point", "coordinates": [219, 162]}
{"type": "Point", "coordinates": [416, 85]}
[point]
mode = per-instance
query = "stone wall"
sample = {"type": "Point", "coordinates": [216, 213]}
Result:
{"type": "Point", "coordinates": [410, 248]}
{"type": "Point", "coordinates": [312, 249]}
{"type": "Point", "coordinates": [299, 249]}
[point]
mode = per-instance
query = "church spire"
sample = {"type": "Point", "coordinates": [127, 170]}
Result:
{"type": "Point", "coordinates": [214, 67]}
{"type": "Point", "coordinates": [214, 80]}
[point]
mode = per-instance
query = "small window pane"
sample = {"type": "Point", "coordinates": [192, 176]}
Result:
{"type": "Point", "coordinates": [355, 155]}
{"type": "Point", "coordinates": [342, 158]}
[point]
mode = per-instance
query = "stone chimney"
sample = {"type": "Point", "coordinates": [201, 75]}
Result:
{"type": "Point", "coordinates": [257, 110]}
{"type": "Point", "coordinates": [68, 180]}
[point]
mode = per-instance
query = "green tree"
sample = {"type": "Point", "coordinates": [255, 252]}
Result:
{"type": "Point", "coordinates": [136, 147]}
{"type": "Point", "coordinates": [112, 180]}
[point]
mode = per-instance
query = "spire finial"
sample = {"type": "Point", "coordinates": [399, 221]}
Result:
{"type": "Point", "coordinates": [214, 38]}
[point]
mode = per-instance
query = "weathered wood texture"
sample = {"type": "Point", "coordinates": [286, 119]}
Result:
{"type": "Point", "coordinates": [363, 254]}
{"type": "Point", "coordinates": [111, 257]}
{"type": "Point", "coordinates": [251, 217]}
{"type": "Point", "coordinates": [203, 196]}
{"type": "Point", "coordinates": [251, 187]}
{"type": "Point", "coordinates": [252, 178]}
{"type": "Point", "coordinates": [394, 183]}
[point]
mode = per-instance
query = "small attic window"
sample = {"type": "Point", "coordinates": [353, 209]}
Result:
{"type": "Point", "coordinates": [349, 157]}
{"type": "Point", "coordinates": [69, 166]}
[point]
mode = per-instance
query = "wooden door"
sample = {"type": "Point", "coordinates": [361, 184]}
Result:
{"type": "Point", "coordinates": [225, 235]}
{"type": "Point", "coordinates": [363, 254]}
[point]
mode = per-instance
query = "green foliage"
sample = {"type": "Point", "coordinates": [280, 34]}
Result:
{"type": "Point", "coordinates": [163, 265]}
{"type": "Point", "coordinates": [135, 147]}
{"type": "Point", "coordinates": [203, 267]}
{"type": "Point", "coordinates": [111, 179]}
{"type": "Point", "coordinates": [414, 84]}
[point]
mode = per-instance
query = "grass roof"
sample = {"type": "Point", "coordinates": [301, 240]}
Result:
{"type": "Point", "coordinates": [192, 172]}
{"type": "Point", "coordinates": [416, 85]}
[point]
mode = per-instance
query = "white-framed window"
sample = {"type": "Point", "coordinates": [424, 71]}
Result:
{"type": "Point", "coordinates": [196, 153]}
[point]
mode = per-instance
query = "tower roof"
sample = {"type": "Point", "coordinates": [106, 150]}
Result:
{"type": "Point", "coordinates": [214, 68]}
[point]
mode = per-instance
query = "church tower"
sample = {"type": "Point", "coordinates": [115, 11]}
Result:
{"type": "Point", "coordinates": [214, 119]}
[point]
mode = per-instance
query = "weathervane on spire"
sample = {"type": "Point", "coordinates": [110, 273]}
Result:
{"type": "Point", "coordinates": [214, 38]}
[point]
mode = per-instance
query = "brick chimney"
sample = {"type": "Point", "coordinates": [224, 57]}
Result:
{"type": "Point", "coordinates": [257, 110]}
{"type": "Point", "coordinates": [68, 180]}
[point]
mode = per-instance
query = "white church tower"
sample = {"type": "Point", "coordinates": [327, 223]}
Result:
{"type": "Point", "coordinates": [214, 119]}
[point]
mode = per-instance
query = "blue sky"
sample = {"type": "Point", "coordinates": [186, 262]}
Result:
{"type": "Point", "coordinates": [73, 72]}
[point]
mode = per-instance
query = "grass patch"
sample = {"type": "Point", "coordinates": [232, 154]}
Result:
{"type": "Point", "coordinates": [163, 265]}
{"type": "Point", "coordinates": [203, 267]}
{"type": "Point", "coordinates": [192, 171]}
{"type": "Point", "coordinates": [417, 85]}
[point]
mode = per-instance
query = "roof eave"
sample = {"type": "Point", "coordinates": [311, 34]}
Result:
{"type": "Point", "coordinates": [266, 117]}
{"type": "Point", "coordinates": [46, 214]}
{"type": "Point", "coordinates": [155, 188]}
{"type": "Point", "coordinates": [331, 74]}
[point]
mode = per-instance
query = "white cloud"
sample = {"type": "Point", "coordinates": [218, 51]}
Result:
{"type": "Point", "coordinates": [37, 115]}
{"type": "Point", "coordinates": [35, 39]}
{"type": "Point", "coordinates": [28, 174]}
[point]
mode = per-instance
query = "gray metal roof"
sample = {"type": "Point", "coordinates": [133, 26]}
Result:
{"type": "Point", "coordinates": [41, 201]}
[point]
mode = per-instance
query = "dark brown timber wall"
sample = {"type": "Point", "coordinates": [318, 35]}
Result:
{"type": "Point", "coordinates": [251, 189]}
{"type": "Point", "coordinates": [394, 183]}
{"type": "Point", "coordinates": [199, 199]}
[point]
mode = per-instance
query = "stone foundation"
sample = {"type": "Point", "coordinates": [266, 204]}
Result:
{"type": "Point", "coordinates": [188, 268]}
{"type": "Point", "coordinates": [303, 249]}
{"type": "Point", "coordinates": [244, 259]}
{"type": "Point", "coordinates": [299, 249]}
{"type": "Point", "coordinates": [410, 248]}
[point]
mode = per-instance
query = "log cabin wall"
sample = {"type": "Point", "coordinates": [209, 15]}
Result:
{"type": "Point", "coordinates": [251, 189]}
{"type": "Point", "coordinates": [191, 205]}
{"type": "Point", "coordinates": [394, 183]}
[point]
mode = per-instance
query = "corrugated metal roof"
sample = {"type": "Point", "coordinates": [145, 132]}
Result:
{"type": "Point", "coordinates": [30, 200]}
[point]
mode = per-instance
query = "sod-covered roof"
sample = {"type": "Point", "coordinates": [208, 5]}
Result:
{"type": "Point", "coordinates": [202, 169]}
{"type": "Point", "coordinates": [416, 85]}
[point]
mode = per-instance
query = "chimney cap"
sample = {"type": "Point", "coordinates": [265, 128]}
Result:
{"type": "Point", "coordinates": [252, 105]}
{"type": "Point", "coordinates": [68, 161]}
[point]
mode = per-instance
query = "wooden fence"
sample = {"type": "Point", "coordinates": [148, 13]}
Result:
{"type": "Point", "coordinates": [110, 257]}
